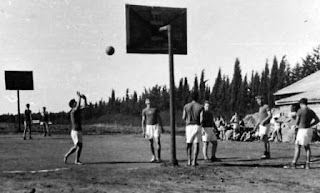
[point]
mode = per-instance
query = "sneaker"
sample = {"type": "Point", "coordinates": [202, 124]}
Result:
{"type": "Point", "coordinates": [158, 160]}
{"type": "Point", "coordinates": [24, 138]}
{"type": "Point", "coordinates": [153, 160]}
{"type": "Point", "coordinates": [307, 166]}
{"type": "Point", "coordinates": [266, 155]}
{"type": "Point", "coordinates": [290, 166]}
{"type": "Point", "coordinates": [194, 164]}
{"type": "Point", "coordinates": [78, 163]}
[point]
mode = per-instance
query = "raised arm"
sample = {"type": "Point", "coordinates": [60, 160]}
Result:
{"type": "Point", "coordinates": [79, 100]}
{"type": "Point", "coordinates": [85, 102]}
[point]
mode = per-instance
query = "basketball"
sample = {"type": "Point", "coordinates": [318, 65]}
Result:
{"type": "Point", "coordinates": [109, 50]}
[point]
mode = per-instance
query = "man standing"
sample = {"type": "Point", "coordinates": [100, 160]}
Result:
{"type": "Point", "coordinates": [76, 125]}
{"type": "Point", "coordinates": [45, 122]}
{"type": "Point", "coordinates": [191, 114]}
{"type": "Point", "coordinates": [151, 121]}
{"type": "Point", "coordinates": [263, 124]}
{"type": "Point", "coordinates": [306, 119]}
{"type": "Point", "coordinates": [235, 120]}
{"type": "Point", "coordinates": [27, 122]}
{"type": "Point", "coordinates": [276, 128]}
{"type": "Point", "coordinates": [208, 132]}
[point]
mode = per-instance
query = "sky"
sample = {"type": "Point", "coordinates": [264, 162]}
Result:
{"type": "Point", "coordinates": [63, 42]}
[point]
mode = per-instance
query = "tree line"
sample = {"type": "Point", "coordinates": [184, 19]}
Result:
{"type": "Point", "coordinates": [227, 95]}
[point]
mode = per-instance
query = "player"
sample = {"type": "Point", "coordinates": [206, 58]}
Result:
{"type": "Point", "coordinates": [152, 128]}
{"type": "Point", "coordinates": [235, 120]}
{"type": "Point", "coordinates": [306, 119]}
{"type": "Point", "coordinates": [76, 125]}
{"type": "Point", "coordinates": [208, 132]}
{"type": "Point", "coordinates": [191, 114]}
{"type": "Point", "coordinates": [263, 124]}
{"type": "Point", "coordinates": [45, 122]}
{"type": "Point", "coordinates": [27, 122]}
{"type": "Point", "coordinates": [276, 128]}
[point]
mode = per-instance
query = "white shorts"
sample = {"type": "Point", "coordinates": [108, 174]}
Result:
{"type": "Point", "coordinates": [264, 130]}
{"type": "Point", "coordinates": [221, 128]}
{"type": "Point", "coordinates": [76, 137]}
{"type": "Point", "coordinates": [304, 136]}
{"type": "Point", "coordinates": [193, 133]}
{"type": "Point", "coordinates": [208, 134]}
{"type": "Point", "coordinates": [152, 131]}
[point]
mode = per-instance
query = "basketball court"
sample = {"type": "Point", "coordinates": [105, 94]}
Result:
{"type": "Point", "coordinates": [120, 163]}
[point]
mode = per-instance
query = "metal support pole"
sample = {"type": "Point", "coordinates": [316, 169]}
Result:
{"type": "Point", "coordinates": [19, 126]}
{"type": "Point", "coordinates": [174, 160]}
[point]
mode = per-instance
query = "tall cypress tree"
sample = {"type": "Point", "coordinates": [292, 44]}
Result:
{"type": "Point", "coordinates": [202, 86]}
{"type": "Point", "coordinates": [273, 83]}
{"type": "Point", "coordinates": [282, 80]}
{"type": "Point", "coordinates": [215, 90]}
{"type": "Point", "coordinates": [235, 85]}
{"type": "Point", "coordinates": [264, 88]}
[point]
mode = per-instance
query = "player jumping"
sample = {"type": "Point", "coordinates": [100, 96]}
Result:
{"type": "Point", "coordinates": [76, 125]}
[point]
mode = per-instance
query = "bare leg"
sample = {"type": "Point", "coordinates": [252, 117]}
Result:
{"type": "Point", "coordinates": [266, 143]}
{"type": "Point", "coordinates": [189, 151]}
{"type": "Point", "coordinates": [296, 153]}
{"type": "Point", "coordinates": [195, 154]}
{"type": "Point", "coordinates": [158, 148]}
{"type": "Point", "coordinates": [273, 135]}
{"type": "Point", "coordinates": [71, 151]}
{"type": "Point", "coordinates": [308, 152]}
{"type": "Point", "coordinates": [205, 150]}
{"type": "Point", "coordinates": [29, 132]}
{"type": "Point", "coordinates": [78, 152]}
{"type": "Point", "coordinates": [152, 150]}
{"type": "Point", "coordinates": [24, 131]}
{"type": "Point", "coordinates": [279, 135]}
{"type": "Point", "coordinates": [48, 129]}
{"type": "Point", "coordinates": [44, 129]}
{"type": "Point", "coordinates": [214, 149]}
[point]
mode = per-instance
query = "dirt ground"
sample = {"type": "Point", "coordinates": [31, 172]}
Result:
{"type": "Point", "coordinates": [120, 163]}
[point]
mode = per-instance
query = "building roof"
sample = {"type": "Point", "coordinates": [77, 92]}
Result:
{"type": "Point", "coordinates": [309, 83]}
{"type": "Point", "coordinates": [312, 96]}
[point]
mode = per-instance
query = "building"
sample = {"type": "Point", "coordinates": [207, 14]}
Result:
{"type": "Point", "coordinates": [308, 87]}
